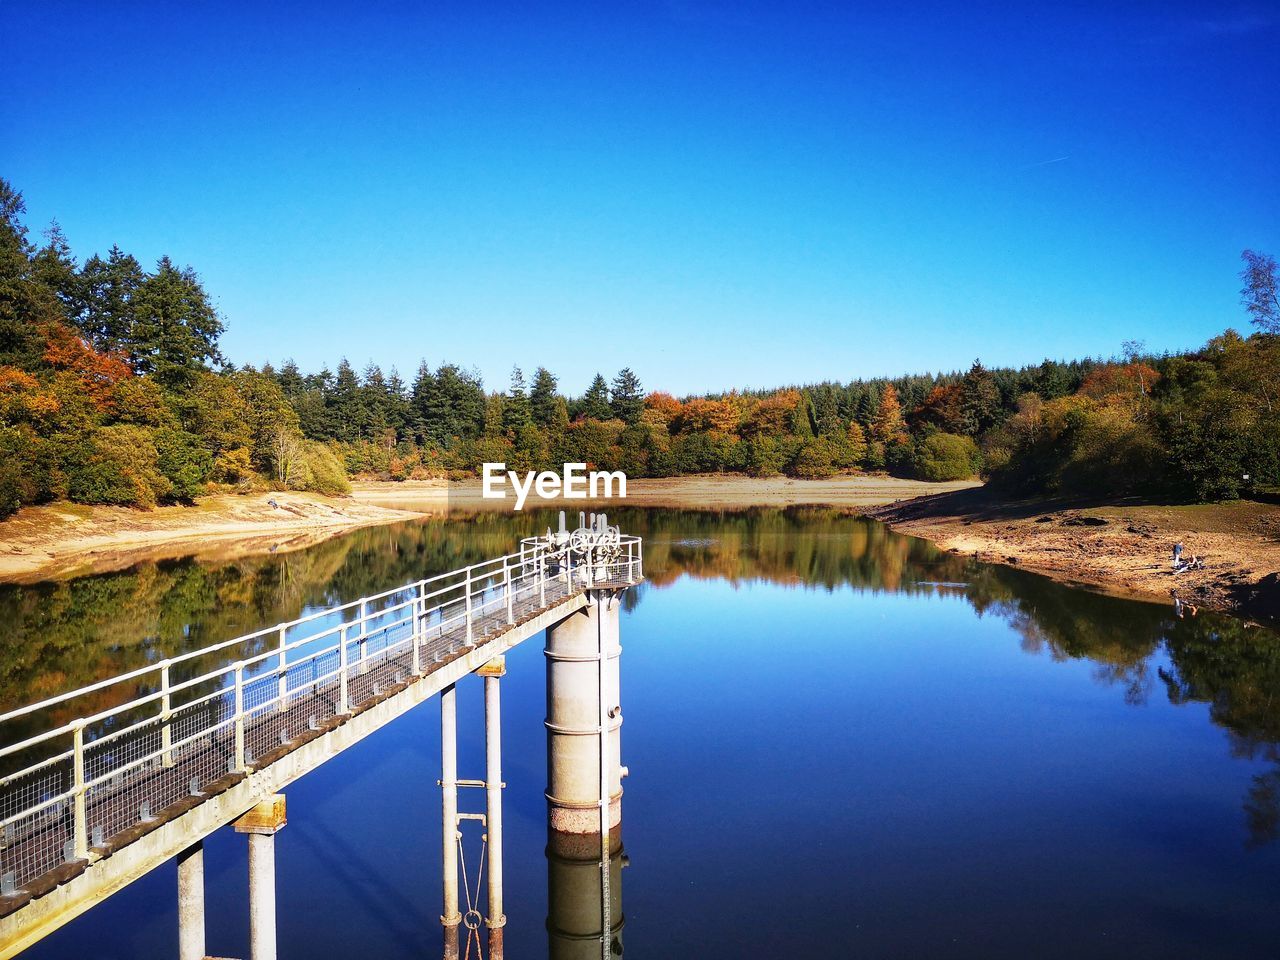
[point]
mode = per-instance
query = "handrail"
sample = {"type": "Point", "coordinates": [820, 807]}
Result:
{"type": "Point", "coordinates": [169, 722]}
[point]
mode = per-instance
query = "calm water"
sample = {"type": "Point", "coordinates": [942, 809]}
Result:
{"type": "Point", "coordinates": [842, 743]}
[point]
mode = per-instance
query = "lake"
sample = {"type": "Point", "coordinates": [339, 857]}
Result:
{"type": "Point", "coordinates": [842, 742]}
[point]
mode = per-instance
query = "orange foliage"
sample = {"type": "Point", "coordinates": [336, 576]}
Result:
{"type": "Point", "coordinates": [98, 372]}
{"type": "Point", "coordinates": [774, 414]}
{"type": "Point", "coordinates": [21, 397]}
{"type": "Point", "coordinates": [940, 408]}
{"type": "Point", "coordinates": [664, 405]}
{"type": "Point", "coordinates": [1119, 380]}
{"type": "Point", "coordinates": [698, 415]}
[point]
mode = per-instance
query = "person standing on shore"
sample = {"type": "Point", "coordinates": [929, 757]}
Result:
{"type": "Point", "coordinates": [1177, 555]}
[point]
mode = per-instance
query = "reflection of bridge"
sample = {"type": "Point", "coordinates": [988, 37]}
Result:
{"type": "Point", "coordinates": [209, 738]}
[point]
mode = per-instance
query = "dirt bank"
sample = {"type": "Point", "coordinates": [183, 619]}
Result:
{"type": "Point", "coordinates": [1121, 548]}
{"type": "Point", "coordinates": [704, 491]}
{"type": "Point", "coordinates": [65, 539]}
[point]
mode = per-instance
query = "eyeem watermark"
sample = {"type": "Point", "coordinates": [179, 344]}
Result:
{"type": "Point", "coordinates": [575, 483]}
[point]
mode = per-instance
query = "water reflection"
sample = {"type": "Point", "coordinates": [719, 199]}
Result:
{"type": "Point", "coordinates": [61, 635]}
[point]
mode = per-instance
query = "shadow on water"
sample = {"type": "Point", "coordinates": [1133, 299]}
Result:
{"type": "Point", "coordinates": [66, 634]}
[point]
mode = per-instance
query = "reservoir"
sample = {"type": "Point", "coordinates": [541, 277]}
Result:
{"type": "Point", "coordinates": [841, 742]}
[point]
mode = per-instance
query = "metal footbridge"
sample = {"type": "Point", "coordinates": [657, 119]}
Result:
{"type": "Point", "coordinates": [102, 784]}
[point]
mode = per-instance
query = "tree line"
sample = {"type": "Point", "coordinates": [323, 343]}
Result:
{"type": "Point", "coordinates": [113, 390]}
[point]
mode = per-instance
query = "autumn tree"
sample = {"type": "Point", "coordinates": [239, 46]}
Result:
{"type": "Point", "coordinates": [888, 425]}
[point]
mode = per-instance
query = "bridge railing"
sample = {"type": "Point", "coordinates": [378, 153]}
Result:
{"type": "Point", "coordinates": [182, 723]}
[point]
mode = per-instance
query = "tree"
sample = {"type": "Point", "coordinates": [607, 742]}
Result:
{"type": "Point", "coordinates": [286, 452]}
{"type": "Point", "coordinates": [626, 398]}
{"type": "Point", "coordinates": [1259, 293]}
{"type": "Point", "coordinates": [515, 411]}
{"type": "Point", "coordinates": [55, 267]}
{"type": "Point", "coordinates": [595, 402]}
{"type": "Point", "coordinates": [888, 425]}
{"type": "Point", "coordinates": [542, 398]}
{"type": "Point", "coordinates": [176, 328]}
{"type": "Point", "coordinates": [344, 403]}
{"type": "Point", "coordinates": [979, 401]}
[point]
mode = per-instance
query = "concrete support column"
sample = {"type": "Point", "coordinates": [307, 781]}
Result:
{"type": "Point", "coordinates": [575, 695]}
{"type": "Point", "coordinates": [262, 823]}
{"type": "Point", "coordinates": [450, 916]}
{"type": "Point", "coordinates": [575, 899]}
{"type": "Point", "coordinates": [492, 672]}
{"type": "Point", "coordinates": [191, 902]}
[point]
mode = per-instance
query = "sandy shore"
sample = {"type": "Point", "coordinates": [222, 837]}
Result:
{"type": "Point", "coordinates": [706, 491]}
{"type": "Point", "coordinates": [1119, 548]}
{"type": "Point", "coordinates": [64, 539]}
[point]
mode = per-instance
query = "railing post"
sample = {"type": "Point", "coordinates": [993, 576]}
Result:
{"type": "Point", "coordinates": [166, 734]}
{"type": "Point", "coordinates": [419, 626]}
{"type": "Point", "coordinates": [542, 578]}
{"type": "Point", "coordinates": [344, 666]}
{"type": "Point", "coordinates": [506, 586]}
{"type": "Point", "coordinates": [363, 639]}
{"type": "Point", "coordinates": [239, 721]}
{"type": "Point", "coordinates": [467, 588]}
{"type": "Point", "coordinates": [80, 827]}
{"type": "Point", "coordinates": [282, 700]}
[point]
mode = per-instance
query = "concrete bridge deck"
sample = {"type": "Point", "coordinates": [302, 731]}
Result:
{"type": "Point", "coordinates": [96, 802]}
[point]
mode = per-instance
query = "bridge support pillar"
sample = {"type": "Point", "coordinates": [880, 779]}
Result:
{"type": "Point", "coordinates": [262, 823]}
{"type": "Point", "coordinates": [584, 719]}
{"type": "Point", "coordinates": [191, 902]}
{"type": "Point", "coordinates": [492, 672]}
{"type": "Point", "coordinates": [584, 778]}
{"type": "Point", "coordinates": [450, 916]}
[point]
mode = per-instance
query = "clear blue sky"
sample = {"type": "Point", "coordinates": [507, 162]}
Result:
{"type": "Point", "coordinates": [717, 194]}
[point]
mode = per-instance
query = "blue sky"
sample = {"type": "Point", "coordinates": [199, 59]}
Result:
{"type": "Point", "coordinates": [717, 194]}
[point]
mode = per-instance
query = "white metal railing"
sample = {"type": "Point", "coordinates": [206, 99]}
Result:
{"type": "Point", "coordinates": [191, 719]}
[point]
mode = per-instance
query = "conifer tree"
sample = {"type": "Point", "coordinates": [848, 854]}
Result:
{"type": "Point", "coordinates": [515, 410]}
{"type": "Point", "coordinates": [542, 397]}
{"type": "Point", "coordinates": [595, 402]}
{"type": "Point", "coordinates": [626, 398]}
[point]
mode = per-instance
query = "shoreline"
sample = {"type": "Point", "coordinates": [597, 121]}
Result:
{"type": "Point", "coordinates": [62, 540]}
{"type": "Point", "coordinates": [1122, 549]}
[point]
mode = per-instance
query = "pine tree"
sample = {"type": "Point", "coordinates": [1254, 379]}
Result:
{"type": "Point", "coordinates": [626, 399]}
{"type": "Point", "coordinates": [176, 328]}
{"type": "Point", "coordinates": [595, 402]}
{"type": "Point", "coordinates": [515, 411]}
{"type": "Point", "coordinates": [345, 403]}
{"type": "Point", "coordinates": [109, 289]}
{"type": "Point", "coordinates": [542, 397]}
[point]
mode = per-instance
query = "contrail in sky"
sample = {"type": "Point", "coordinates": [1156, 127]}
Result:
{"type": "Point", "coordinates": [1041, 163]}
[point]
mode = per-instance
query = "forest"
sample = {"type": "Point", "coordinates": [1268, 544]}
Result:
{"type": "Point", "coordinates": [114, 390]}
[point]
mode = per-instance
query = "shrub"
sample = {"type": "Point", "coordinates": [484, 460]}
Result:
{"type": "Point", "coordinates": [117, 465]}
{"type": "Point", "coordinates": [812, 461]}
{"type": "Point", "coordinates": [184, 461]}
{"type": "Point", "coordinates": [946, 456]}
{"type": "Point", "coordinates": [319, 470]}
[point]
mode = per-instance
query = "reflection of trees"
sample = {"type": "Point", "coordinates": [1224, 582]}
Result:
{"type": "Point", "coordinates": [69, 634]}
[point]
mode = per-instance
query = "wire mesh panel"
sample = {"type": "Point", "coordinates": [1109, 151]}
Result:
{"type": "Point", "coordinates": [38, 823]}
